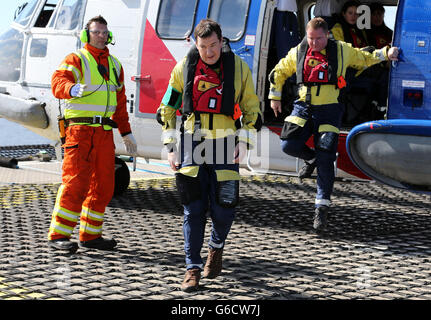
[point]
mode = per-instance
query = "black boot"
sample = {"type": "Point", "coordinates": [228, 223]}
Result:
{"type": "Point", "coordinates": [307, 169]}
{"type": "Point", "coordinates": [320, 218]}
{"type": "Point", "coordinates": [63, 244]}
{"type": "Point", "coordinates": [99, 243]}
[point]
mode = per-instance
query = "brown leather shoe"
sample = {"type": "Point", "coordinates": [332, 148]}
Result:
{"type": "Point", "coordinates": [191, 280]}
{"type": "Point", "coordinates": [214, 263]}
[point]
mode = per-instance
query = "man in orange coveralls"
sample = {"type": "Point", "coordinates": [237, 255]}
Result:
{"type": "Point", "coordinates": [91, 82]}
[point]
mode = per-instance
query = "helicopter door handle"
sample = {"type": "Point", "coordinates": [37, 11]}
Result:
{"type": "Point", "coordinates": [242, 49]}
{"type": "Point", "coordinates": [138, 77]}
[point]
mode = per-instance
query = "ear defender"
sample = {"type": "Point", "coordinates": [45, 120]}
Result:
{"type": "Point", "coordinates": [85, 33]}
{"type": "Point", "coordinates": [110, 38]}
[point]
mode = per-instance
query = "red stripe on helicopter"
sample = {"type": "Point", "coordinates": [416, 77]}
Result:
{"type": "Point", "coordinates": [156, 66]}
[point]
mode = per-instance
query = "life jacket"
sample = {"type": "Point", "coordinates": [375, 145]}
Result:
{"type": "Point", "coordinates": [205, 91]}
{"type": "Point", "coordinates": [315, 67]}
{"type": "Point", "coordinates": [381, 41]}
{"type": "Point", "coordinates": [380, 36]}
{"type": "Point", "coordinates": [318, 68]}
{"type": "Point", "coordinates": [353, 35]}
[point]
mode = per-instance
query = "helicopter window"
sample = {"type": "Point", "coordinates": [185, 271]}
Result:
{"type": "Point", "coordinates": [68, 15]}
{"type": "Point", "coordinates": [390, 15]}
{"type": "Point", "coordinates": [175, 19]}
{"type": "Point", "coordinates": [38, 48]}
{"type": "Point", "coordinates": [24, 12]}
{"type": "Point", "coordinates": [11, 43]}
{"type": "Point", "coordinates": [45, 15]}
{"type": "Point", "coordinates": [231, 15]}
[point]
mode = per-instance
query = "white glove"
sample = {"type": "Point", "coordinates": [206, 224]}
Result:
{"type": "Point", "coordinates": [131, 145]}
{"type": "Point", "coordinates": [173, 160]}
{"type": "Point", "coordinates": [77, 90]}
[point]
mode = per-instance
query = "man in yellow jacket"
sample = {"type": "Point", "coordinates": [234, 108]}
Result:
{"type": "Point", "coordinates": [214, 87]}
{"type": "Point", "coordinates": [320, 65]}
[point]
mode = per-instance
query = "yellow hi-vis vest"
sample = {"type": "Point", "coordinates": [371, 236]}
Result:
{"type": "Point", "coordinates": [100, 96]}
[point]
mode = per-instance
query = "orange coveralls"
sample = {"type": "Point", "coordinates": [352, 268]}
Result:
{"type": "Point", "coordinates": [89, 160]}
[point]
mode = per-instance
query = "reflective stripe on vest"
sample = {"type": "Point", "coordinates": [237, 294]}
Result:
{"type": "Point", "coordinates": [100, 96]}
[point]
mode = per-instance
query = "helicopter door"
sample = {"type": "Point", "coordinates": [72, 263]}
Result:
{"type": "Point", "coordinates": [168, 26]}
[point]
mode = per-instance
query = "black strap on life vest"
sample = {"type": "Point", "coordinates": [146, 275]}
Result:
{"type": "Point", "coordinates": [347, 29]}
{"type": "Point", "coordinates": [331, 53]}
{"type": "Point", "coordinates": [228, 95]}
{"type": "Point", "coordinates": [346, 33]}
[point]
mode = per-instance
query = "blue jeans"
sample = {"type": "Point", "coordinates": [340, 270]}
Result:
{"type": "Point", "coordinates": [195, 216]}
{"type": "Point", "coordinates": [295, 145]}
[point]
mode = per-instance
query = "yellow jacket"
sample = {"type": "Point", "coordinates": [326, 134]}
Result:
{"type": "Point", "coordinates": [222, 125]}
{"type": "Point", "coordinates": [338, 33]}
{"type": "Point", "coordinates": [352, 57]}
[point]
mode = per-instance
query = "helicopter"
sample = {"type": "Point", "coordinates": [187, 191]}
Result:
{"type": "Point", "coordinates": [150, 37]}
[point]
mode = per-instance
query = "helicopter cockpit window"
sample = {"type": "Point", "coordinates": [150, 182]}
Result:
{"type": "Point", "coordinates": [67, 17]}
{"type": "Point", "coordinates": [231, 15]}
{"type": "Point", "coordinates": [46, 13]}
{"type": "Point", "coordinates": [11, 43]}
{"type": "Point", "coordinates": [24, 12]}
{"type": "Point", "coordinates": [175, 19]}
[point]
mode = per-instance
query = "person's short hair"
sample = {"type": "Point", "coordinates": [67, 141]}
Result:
{"type": "Point", "coordinates": [348, 4]}
{"type": "Point", "coordinates": [206, 27]}
{"type": "Point", "coordinates": [98, 19]}
{"type": "Point", "coordinates": [317, 23]}
{"type": "Point", "coordinates": [376, 6]}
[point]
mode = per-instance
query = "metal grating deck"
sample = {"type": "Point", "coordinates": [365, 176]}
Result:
{"type": "Point", "coordinates": [378, 245]}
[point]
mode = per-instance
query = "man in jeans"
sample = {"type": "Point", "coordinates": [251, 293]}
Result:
{"type": "Point", "coordinates": [214, 86]}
